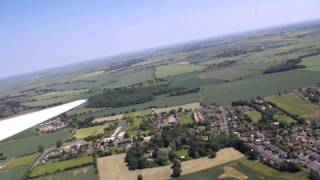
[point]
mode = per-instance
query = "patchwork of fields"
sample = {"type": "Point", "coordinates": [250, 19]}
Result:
{"type": "Point", "coordinates": [262, 86]}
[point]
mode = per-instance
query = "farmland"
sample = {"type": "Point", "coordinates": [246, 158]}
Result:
{"type": "Point", "coordinates": [114, 168]}
{"type": "Point", "coordinates": [294, 104]}
{"type": "Point", "coordinates": [18, 167]}
{"type": "Point", "coordinates": [176, 69]}
{"type": "Point", "coordinates": [264, 85]}
{"type": "Point", "coordinates": [83, 173]}
{"type": "Point", "coordinates": [53, 167]}
{"type": "Point", "coordinates": [244, 169]}
{"type": "Point", "coordinates": [30, 144]}
{"type": "Point", "coordinates": [312, 63]}
{"type": "Point", "coordinates": [236, 71]}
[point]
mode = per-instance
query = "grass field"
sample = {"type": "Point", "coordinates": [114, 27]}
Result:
{"type": "Point", "coordinates": [293, 104]}
{"type": "Point", "coordinates": [85, 132]}
{"type": "Point", "coordinates": [312, 63]}
{"type": "Point", "coordinates": [244, 169]}
{"type": "Point", "coordinates": [255, 116]}
{"type": "Point", "coordinates": [83, 173]}
{"type": "Point", "coordinates": [113, 167]}
{"type": "Point", "coordinates": [53, 167]}
{"type": "Point", "coordinates": [30, 144]}
{"type": "Point", "coordinates": [264, 85]}
{"type": "Point", "coordinates": [176, 69]}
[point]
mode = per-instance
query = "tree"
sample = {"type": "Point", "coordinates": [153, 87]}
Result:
{"type": "Point", "coordinates": [253, 155]}
{"type": "Point", "coordinates": [140, 177]}
{"type": "Point", "coordinates": [59, 143]}
{"type": "Point", "coordinates": [40, 149]}
{"type": "Point", "coordinates": [172, 156]}
{"type": "Point", "coordinates": [176, 169]}
{"type": "Point", "coordinates": [314, 175]}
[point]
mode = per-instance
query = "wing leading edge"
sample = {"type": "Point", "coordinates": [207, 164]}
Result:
{"type": "Point", "coordinates": [12, 126]}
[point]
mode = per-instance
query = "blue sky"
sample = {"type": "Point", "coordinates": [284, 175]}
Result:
{"type": "Point", "coordinates": [39, 34]}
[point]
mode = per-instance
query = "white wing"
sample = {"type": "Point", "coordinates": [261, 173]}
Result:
{"type": "Point", "coordinates": [12, 126]}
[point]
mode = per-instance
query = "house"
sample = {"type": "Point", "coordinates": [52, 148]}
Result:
{"type": "Point", "coordinates": [2, 165]}
{"type": "Point", "coordinates": [198, 117]}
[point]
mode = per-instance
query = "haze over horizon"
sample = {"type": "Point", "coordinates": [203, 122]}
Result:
{"type": "Point", "coordinates": [41, 34]}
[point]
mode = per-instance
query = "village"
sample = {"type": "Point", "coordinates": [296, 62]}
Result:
{"type": "Point", "coordinates": [275, 142]}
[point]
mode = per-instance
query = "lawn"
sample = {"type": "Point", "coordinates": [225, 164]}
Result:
{"type": "Point", "coordinates": [244, 169]}
{"type": "Point", "coordinates": [281, 117]}
{"type": "Point", "coordinates": [182, 152]}
{"type": "Point", "coordinates": [85, 132]}
{"type": "Point", "coordinates": [30, 144]}
{"type": "Point", "coordinates": [176, 69]}
{"type": "Point", "coordinates": [312, 63]}
{"type": "Point", "coordinates": [53, 167]}
{"type": "Point", "coordinates": [293, 104]}
{"type": "Point", "coordinates": [263, 85]}
{"type": "Point", "coordinates": [255, 116]}
{"type": "Point", "coordinates": [186, 119]}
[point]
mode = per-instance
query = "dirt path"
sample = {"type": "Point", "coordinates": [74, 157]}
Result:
{"type": "Point", "coordinates": [114, 168]}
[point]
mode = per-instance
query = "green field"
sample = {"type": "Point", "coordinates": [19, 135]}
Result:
{"type": "Point", "coordinates": [255, 116]}
{"type": "Point", "coordinates": [312, 63]}
{"type": "Point", "coordinates": [30, 144]}
{"type": "Point", "coordinates": [176, 69]}
{"type": "Point", "coordinates": [186, 119]}
{"type": "Point", "coordinates": [53, 167]}
{"type": "Point", "coordinates": [18, 167]}
{"type": "Point", "coordinates": [264, 85]}
{"type": "Point", "coordinates": [24, 134]}
{"type": "Point", "coordinates": [236, 71]}
{"type": "Point", "coordinates": [84, 173]}
{"type": "Point", "coordinates": [253, 170]}
{"type": "Point", "coordinates": [85, 132]}
{"type": "Point", "coordinates": [293, 104]}
{"type": "Point", "coordinates": [281, 117]}
{"type": "Point", "coordinates": [190, 80]}
{"type": "Point", "coordinates": [21, 161]}
{"type": "Point", "coordinates": [15, 173]}
{"type": "Point", "coordinates": [159, 101]}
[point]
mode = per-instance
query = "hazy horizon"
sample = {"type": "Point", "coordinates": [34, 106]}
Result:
{"type": "Point", "coordinates": [86, 32]}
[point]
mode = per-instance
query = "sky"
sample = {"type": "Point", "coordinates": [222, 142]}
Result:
{"type": "Point", "coordinates": [38, 34]}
